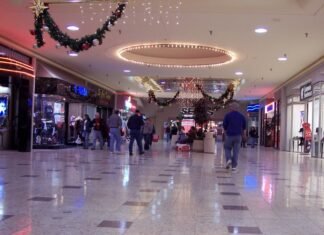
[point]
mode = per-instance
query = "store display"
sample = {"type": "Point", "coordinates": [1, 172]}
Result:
{"type": "Point", "coordinates": [49, 120]}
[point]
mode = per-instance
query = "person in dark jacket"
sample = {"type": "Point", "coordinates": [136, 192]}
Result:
{"type": "Point", "coordinates": [134, 124]}
{"type": "Point", "coordinates": [98, 129]}
{"type": "Point", "coordinates": [254, 136]}
{"type": "Point", "coordinates": [86, 130]}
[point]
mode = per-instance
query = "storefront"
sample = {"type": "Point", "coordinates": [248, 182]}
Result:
{"type": "Point", "coordinates": [60, 106]}
{"type": "Point", "coordinates": [301, 112]}
{"type": "Point", "coordinates": [16, 89]}
{"type": "Point", "coordinates": [270, 123]}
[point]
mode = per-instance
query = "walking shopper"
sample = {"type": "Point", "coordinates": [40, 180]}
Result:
{"type": "Point", "coordinates": [147, 133]}
{"type": "Point", "coordinates": [253, 136]}
{"type": "Point", "coordinates": [134, 124]}
{"type": "Point", "coordinates": [115, 124]}
{"type": "Point", "coordinates": [86, 130]}
{"type": "Point", "coordinates": [235, 129]}
{"type": "Point", "coordinates": [98, 129]}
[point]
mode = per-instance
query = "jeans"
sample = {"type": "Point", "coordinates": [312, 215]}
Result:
{"type": "Point", "coordinates": [232, 144]}
{"type": "Point", "coordinates": [86, 139]}
{"type": "Point", "coordinates": [97, 135]}
{"type": "Point", "coordinates": [135, 135]}
{"type": "Point", "coordinates": [147, 141]}
{"type": "Point", "coordinates": [114, 137]}
{"type": "Point", "coordinates": [253, 141]}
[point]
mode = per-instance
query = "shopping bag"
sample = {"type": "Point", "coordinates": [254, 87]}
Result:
{"type": "Point", "coordinates": [155, 138]}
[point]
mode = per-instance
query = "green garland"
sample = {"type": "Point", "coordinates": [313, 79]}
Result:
{"type": "Point", "coordinates": [223, 100]}
{"type": "Point", "coordinates": [152, 98]}
{"type": "Point", "coordinates": [44, 21]}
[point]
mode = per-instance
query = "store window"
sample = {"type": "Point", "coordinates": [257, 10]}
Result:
{"type": "Point", "coordinates": [295, 119]}
{"type": "Point", "coordinates": [49, 120]}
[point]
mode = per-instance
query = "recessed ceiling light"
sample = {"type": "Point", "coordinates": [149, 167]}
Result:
{"type": "Point", "coordinates": [73, 54]}
{"type": "Point", "coordinates": [73, 28]}
{"type": "Point", "coordinates": [284, 58]}
{"type": "Point", "coordinates": [162, 82]}
{"type": "Point", "coordinates": [168, 89]}
{"type": "Point", "coordinates": [127, 71]}
{"type": "Point", "coordinates": [260, 30]}
{"type": "Point", "coordinates": [239, 73]}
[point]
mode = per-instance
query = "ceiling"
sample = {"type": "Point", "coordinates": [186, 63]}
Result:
{"type": "Point", "coordinates": [295, 28]}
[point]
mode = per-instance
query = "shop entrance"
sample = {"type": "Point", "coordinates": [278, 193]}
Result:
{"type": "Point", "coordinates": [15, 113]}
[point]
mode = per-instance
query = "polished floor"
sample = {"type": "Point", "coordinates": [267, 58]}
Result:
{"type": "Point", "coordinates": [76, 191]}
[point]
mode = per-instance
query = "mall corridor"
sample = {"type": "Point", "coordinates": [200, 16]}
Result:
{"type": "Point", "coordinates": [164, 192]}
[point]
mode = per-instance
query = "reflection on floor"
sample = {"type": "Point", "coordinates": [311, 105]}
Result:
{"type": "Point", "coordinates": [76, 191]}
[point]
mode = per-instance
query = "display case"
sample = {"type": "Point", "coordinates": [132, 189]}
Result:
{"type": "Point", "coordinates": [49, 120]}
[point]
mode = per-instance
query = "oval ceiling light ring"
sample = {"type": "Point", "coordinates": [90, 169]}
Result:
{"type": "Point", "coordinates": [176, 55]}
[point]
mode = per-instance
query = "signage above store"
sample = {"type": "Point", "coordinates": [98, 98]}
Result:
{"type": "Point", "coordinates": [187, 110]}
{"type": "Point", "coordinates": [80, 90]}
{"type": "Point", "coordinates": [253, 108]}
{"type": "Point", "coordinates": [269, 108]}
{"type": "Point", "coordinates": [306, 91]}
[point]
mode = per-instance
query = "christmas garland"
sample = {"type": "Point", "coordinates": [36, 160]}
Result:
{"type": "Point", "coordinates": [44, 22]}
{"type": "Point", "coordinates": [152, 98]}
{"type": "Point", "coordinates": [223, 100]}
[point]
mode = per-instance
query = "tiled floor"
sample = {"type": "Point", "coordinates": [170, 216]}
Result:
{"type": "Point", "coordinates": [76, 191]}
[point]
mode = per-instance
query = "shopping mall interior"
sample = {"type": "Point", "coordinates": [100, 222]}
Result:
{"type": "Point", "coordinates": [176, 70]}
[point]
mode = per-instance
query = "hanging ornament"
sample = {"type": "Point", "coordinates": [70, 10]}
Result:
{"type": "Point", "coordinates": [85, 46]}
{"type": "Point", "coordinates": [35, 46]}
{"type": "Point", "coordinates": [45, 28]}
{"type": "Point", "coordinates": [95, 42]}
{"type": "Point", "coordinates": [38, 7]}
{"type": "Point", "coordinates": [58, 45]}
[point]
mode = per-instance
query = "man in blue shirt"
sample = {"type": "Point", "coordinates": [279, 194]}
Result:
{"type": "Point", "coordinates": [235, 129]}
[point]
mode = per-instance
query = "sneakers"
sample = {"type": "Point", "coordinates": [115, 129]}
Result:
{"type": "Point", "coordinates": [234, 169]}
{"type": "Point", "coordinates": [228, 164]}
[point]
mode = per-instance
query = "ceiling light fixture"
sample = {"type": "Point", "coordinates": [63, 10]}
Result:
{"type": "Point", "coordinates": [167, 55]}
{"type": "Point", "coordinates": [239, 73]}
{"type": "Point", "coordinates": [73, 28]}
{"type": "Point", "coordinates": [73, 53]}
{"type": "Point", "coordinates": [260, 30]}
{"type": "Point", "coordinates": [127, 71]}
{"type": "Point", "coordinates": [283, 58]}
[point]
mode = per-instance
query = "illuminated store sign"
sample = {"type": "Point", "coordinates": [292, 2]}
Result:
{"type": "Point", "coordinates": [306, 91]}
{"type": "Point", "coordinates": [269, 108]}
{"type": "Point", "coordinates": [129, 105]}
{"type": "Point", "coordinates": [80, 90]}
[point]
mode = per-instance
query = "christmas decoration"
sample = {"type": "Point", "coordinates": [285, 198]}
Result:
{"type": "Point", "coordinates": [38, 7]}
{"type": "Point", "coordinates": [201, 112]}
{"type": "Point", "coordinates": [223, 100]}
{"type": "Point", "coordinates": [44, 22]}
{"type": "Point", "coordinates": [165, 103]}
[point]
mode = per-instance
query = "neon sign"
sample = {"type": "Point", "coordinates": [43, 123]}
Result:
{"type": "Point", "coordinates": [253, 108]}
{"type": "Point", "coordinates": [269, 108]}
